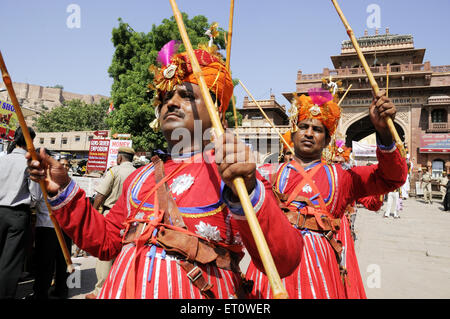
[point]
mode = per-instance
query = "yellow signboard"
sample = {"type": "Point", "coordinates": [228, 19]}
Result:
{"type": "Point", "coordinates": [8, 121]}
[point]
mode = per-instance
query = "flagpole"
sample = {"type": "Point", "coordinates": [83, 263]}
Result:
{"type": "Point", "coordinates": [279, 291]}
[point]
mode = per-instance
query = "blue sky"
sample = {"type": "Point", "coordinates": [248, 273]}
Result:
{"type": "Point", "coordinates": [272, 40]}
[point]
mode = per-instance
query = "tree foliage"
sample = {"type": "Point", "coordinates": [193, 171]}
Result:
{"type": "Point", "coordinates": [74, 115]}
{"type": "Point", "coordinates": [134, 53]}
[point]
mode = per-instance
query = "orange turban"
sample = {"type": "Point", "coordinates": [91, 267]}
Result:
{"type": "Point", "coordinates": [179, 70]}
{"type": "Point", "coordinates": [336, 149]}
{"type": "Point", "coordinates": [318, 105]}
{"type": "Point", "coordinates": [288, 139]}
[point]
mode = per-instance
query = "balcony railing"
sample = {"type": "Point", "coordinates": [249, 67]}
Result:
{"type": "Point", "coordinates": [438, 127]}
{"type": "Point", "coordinates": [441, 69]}
{"type": "Point", "coordinates": [377, 70]}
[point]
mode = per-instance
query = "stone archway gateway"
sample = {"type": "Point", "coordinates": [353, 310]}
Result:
{"type": "Point", "coordinates": [363, 127]}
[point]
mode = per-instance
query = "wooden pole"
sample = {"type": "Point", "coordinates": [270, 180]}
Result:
{"type": "Point", "coordinates": [372, 80]}
{"type": "Point", "coordinates": [387, 80]}
{"type": "Point", "coordinates": [8, 82]}
{"type": "Point", "coordinates": [345, 94]}
{"type": "Point", "coordinates": [279, 291]}
{"type": "Point", "coordinates": [230, 34]}
{"type": "Point", "coordinates": [267, 118]}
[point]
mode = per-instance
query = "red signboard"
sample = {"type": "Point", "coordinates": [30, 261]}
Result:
{"type": "Point", "coordinates": [435, 143]}
{"type": "Point", "coordinates": [101, 133]}
{"type": "Point", "coordinates": [98, 155]}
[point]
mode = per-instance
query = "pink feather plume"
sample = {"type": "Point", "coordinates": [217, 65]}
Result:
{"type": "Point", "coordinates": [167, 51]}
{"type": "Point", "coordinates": [340, 143]}
{"type": "Point", "coordinates": [320, 96]}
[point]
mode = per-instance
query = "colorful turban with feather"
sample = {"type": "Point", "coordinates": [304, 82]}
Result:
{"type": "Point", "coordinates": [177, 68]}
{"type": "Point", "coordinates": [318, 105]}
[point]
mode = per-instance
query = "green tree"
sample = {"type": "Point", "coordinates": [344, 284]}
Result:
{"type": "Point", "coordinates": [134, 53]}
{"type": "Point", "coordinates": [74, 115]}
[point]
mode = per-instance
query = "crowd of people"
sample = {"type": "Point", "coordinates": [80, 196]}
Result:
{"type": "Point", "coordinates": [175, 228]}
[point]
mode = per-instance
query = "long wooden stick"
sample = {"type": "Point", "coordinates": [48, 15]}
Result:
{"type": "Point", "coordinates": [8, 82]}
{"type": "Point", "coordinates": [278, 289]}
{"type": "Point", "coordinates": [267, 118]}
{"type": "Point", "coordinates": [387, 80]}
{"type": "Point", "coordinates": [345, 94]}
{"type": "Point", "coordinates": [230, 34]}
{"type": "Point", "coordinates": [372, 80]}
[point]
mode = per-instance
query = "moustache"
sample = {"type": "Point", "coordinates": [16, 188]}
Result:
{"type": "Point", "coordinates": [180, 114]}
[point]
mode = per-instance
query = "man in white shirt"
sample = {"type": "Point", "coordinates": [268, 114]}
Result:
{"type": "Point", "coordinates": [15, 200]}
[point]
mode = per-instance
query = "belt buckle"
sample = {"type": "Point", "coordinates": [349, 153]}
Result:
{"type": "Point", "coordinates": [327, 235]}
{"type": "Point", "coordinates": [194, 274]}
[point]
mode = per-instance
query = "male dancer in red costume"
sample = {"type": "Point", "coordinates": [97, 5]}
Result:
{"type": "Point", "coordinates": [177, 231]}
{"type": "Point", "coordinates": [316, 195]}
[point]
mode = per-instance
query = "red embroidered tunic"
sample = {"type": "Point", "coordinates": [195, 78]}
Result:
{"type": "Point", "coordinates": [318, 273]}
{"type": "Point", "coordinates": [198, 192]}
{"type": "Point", "coordinates": [354, 286]}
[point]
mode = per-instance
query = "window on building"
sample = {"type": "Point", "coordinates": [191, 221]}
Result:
{"type": "Point", "coordinates": [64, 140]}
{"type": "Point", "coordinates": [437, 168]}
{"type": "Point", "coordinates": [52, 140]}
{"type": "Point", "coordinates": [77, 138]}
{"type": "Point", "coordinates": [90, 138]}
{"type": "Point", "coordinates": [41, 140]}
{"type": "Point", "coordinates": [438, 116]}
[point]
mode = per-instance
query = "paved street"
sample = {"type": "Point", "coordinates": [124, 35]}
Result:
{"type": "Point", "coordinates": [412, 254]}
{"type": "Point", "coordinates": [399, 258]}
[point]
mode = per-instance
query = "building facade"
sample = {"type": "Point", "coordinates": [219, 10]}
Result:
{"type": "Point", "coordinates": [35, 99]}
{"type": "Point", "coordinates": [420, 91]}
{"type": "Point", "coordinates": [76, 143]}
{"type": "Point", "coordinates": [256, 131]}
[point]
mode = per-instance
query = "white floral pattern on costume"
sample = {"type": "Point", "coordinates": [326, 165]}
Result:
{"type": "Point", "coordinates": [208, 231]}
{"type": "Point", "coordinates": [181, 184]}
{"type": "Point", "coordinates": [307, 189]}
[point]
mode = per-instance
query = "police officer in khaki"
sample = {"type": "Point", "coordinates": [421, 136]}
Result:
{"type": "Point", "coordinates": [426, 185]}
{"type": "Point", "coordinates": [108, 191]}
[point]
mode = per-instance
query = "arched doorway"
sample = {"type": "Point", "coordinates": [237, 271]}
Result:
{"type": "Point", "coordinates": [271, 158]}
{"type": "Point", "coordinates": [363, 128]}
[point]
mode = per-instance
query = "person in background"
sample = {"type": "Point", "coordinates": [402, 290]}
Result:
{"type": "Point", "coordinates": [426, 185]}
{"type": "Point", "coordinates": [392, 204]}
{"type": "Point", "coordinates": [49, 258]}
{"type": "Point", "coordinates": [407, 187]}
{"type": "Point", "coordinates": [443, 180]}
{"type": "Point", "coordinates": [287, 155]}
{"type": "Point", "coordinates": [446, 201]}
{"type": "Point", "coordinates": [15, 214]}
